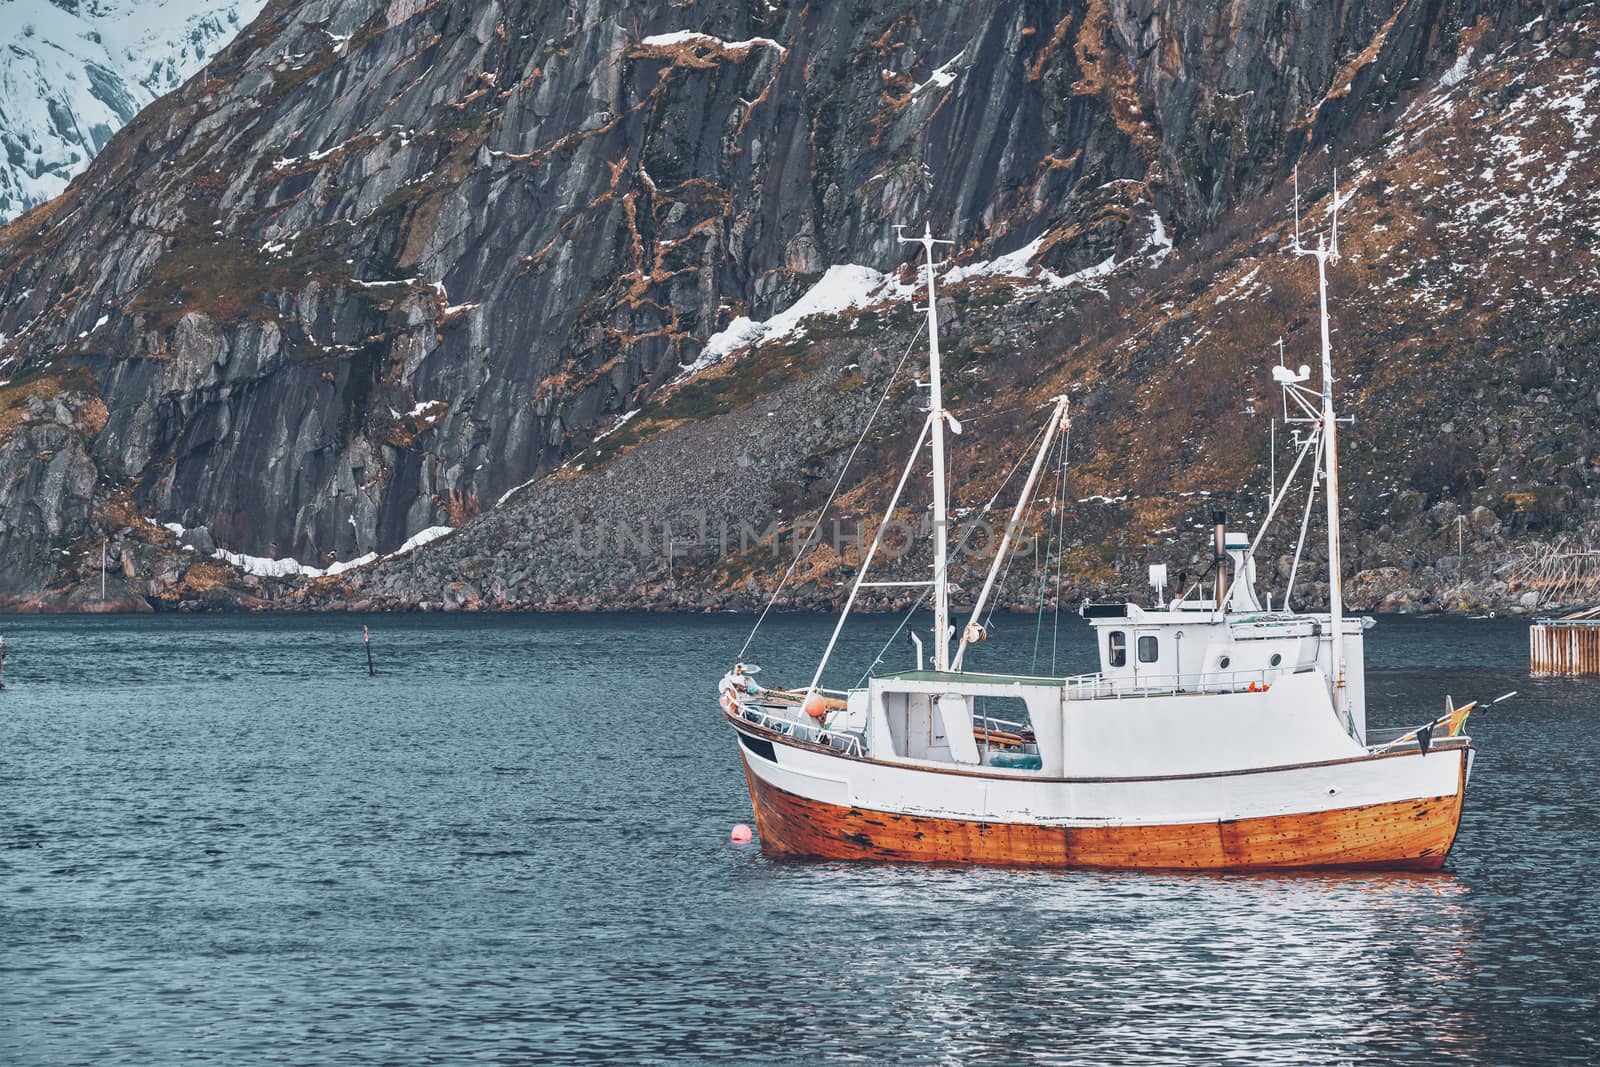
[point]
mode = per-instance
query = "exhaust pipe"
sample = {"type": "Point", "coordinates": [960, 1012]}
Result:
{"type": "Point", "coordinates": [1219, 519]}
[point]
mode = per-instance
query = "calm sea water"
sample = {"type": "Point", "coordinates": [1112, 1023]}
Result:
{"type": "Point", "coordinates": [222, 842]}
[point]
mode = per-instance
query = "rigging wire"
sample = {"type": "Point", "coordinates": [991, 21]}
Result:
{"type": "Point", "coordinates": [1038, 616]}
{"type": "Point", "coordinates": [1012, 557]}
{"type": "Point", "coordinates": [1061, 545]}
{"type": "Point", "coordinates": [877, 660]}
{"type": "Point", "coordinates": [970, 420]}
{"type": "Point", "coordinates": [816, 527]}
{"type": "Point", "coordinates": [1055, 535]}
{"type": "Point", "coordinates": [1305, 522]}
{"type": "Point", "coordinates": [1043, 569]}
{"type": "Point", "coordinates": [961, 545]}
{"type": "Point", "coordinates": [1005, 572]}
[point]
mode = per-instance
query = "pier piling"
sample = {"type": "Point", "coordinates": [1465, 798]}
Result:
{"type": "Point", "coordinates": [1568, 645]}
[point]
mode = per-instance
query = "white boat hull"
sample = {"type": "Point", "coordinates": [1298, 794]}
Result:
{"type": "Point", "coordinates": [1395, 810]}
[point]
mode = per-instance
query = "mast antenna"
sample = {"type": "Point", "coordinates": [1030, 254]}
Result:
{"type": "Point", "coordinates": [1333, 249]}
{"type": "Point", "coordinates": [1297, 207]}
{"type": "Point", "coordinates": [1330, 250]}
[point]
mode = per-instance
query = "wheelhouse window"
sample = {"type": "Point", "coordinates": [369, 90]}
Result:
{"type": "Point", "coordinates": [1117, 648]}
{"type": "Point", "coordinates": [1148, 650]}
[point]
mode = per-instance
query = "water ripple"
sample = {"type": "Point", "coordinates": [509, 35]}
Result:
{"type": "Point", "coordinates": [221, 842]}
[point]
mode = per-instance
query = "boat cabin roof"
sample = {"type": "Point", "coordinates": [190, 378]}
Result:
{"type": "Point", "coordinates": [968, 677]}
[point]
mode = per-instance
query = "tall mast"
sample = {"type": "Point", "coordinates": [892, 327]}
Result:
{"type": "Point", "coordinates": [936, 418]}
{"type": "Point", "coordinates": [1328, 249]}
{"type": "Point", "coordinates": [1330, 460]}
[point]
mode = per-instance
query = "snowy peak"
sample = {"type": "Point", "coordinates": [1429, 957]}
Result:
{"type": "Point", "coordinates": [73, 72]}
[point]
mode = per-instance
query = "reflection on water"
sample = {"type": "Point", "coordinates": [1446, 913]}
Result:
{"type": "Point", "coordinates": [1143, 965]}
{"type": "Point", "coordinates": [221, 842]}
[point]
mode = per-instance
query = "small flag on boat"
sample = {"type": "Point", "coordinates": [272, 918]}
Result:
{"type": "Point", "coordinates": [1457, 717]}
{"type": "Point", "coordinates": [1425, 737]}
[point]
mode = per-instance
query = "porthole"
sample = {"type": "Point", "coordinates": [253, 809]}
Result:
{"type": "Point", "coordinates": [1222, 664]}
{"type": "Point", "coordinates": [1276, 659]}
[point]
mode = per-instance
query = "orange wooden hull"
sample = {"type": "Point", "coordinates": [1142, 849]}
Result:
{"type": "Point", "coordinates": [1404, 835]}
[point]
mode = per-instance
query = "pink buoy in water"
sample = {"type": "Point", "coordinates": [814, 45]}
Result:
{"type": "Point", "coordinates": [740, 834]}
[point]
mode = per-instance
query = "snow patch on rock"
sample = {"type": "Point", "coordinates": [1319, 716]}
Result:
{"type": "Point", "coordinates": [262, 567]}
{"type": "Point", "coordinates": [942, 77]}
{"type": "Point", "coordinates": [842, 287]}
{"type": "Point", "coordinates": [420, 538]}
{"type": "Point", "coordinates": [677, 37]}
{"type": "Point", "coordinates": [848, 286]}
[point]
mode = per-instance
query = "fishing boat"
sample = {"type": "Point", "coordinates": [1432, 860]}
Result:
{"type": "Point", "coordinates": [1219, 733]}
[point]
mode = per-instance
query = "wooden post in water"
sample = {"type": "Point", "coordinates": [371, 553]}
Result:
{"type": "Point", "coordinates": [1568, 645]}
{"type": "Point", "coordinates": [366, 639]}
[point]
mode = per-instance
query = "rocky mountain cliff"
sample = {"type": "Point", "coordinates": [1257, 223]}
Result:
{"type": "Point", "coordinates": [538, 271]}
{"type": "Point", "coordinates": [73, 72]}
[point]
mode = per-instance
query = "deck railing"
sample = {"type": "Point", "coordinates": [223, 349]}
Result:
{"type": "Point", "coordinates": [1102, 687]}
{"type": "Point", "coordinates": [1383, 740]}
{"type": "Point", "coordinates": [838, 740]}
